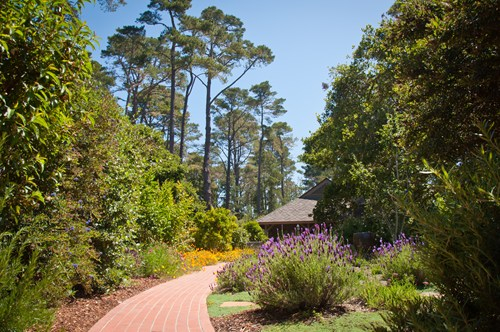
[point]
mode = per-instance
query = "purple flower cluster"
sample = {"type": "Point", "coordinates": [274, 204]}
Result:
{"type": "Point", "coordinates": [232, 277]}
{"type": "Point", "coordinates": [317, 242]}
{"type": "Point", "coordinates": [400, 260]}
{"type": "Point", "coordinates": [392, 249]}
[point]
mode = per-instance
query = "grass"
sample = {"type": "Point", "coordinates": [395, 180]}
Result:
{"type": "Point", "coordinates": [214, 302]}
{"type": "Point", "coordinates": [352, 322]}
{"type": "Point", "coordinates": [355, 321]}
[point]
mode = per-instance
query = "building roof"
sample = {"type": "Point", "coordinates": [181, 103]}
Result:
{"type": "Point", "coordinates": [298, 211]}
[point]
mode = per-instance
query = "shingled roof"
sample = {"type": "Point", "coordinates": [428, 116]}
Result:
{"type": "Point", "coordinates": [298, 211]}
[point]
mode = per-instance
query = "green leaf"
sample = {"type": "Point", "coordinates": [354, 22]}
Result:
{"type": "Point", "coordinates": [4, 47]}
{"type": "Point", "coordinates": [8, 114]}
{"type": "Point", "coordinates": [41, 121]}
{"type": "Point", "coordinates": [38, 195]}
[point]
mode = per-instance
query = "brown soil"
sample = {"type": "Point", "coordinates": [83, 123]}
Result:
{"type": "Point", "coordinates": [79, 315]}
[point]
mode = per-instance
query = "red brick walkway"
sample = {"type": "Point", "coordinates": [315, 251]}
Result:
{"type": "Point", "coordinates": [178, 305]}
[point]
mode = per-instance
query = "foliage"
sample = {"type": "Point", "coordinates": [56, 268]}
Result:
{"type": "Point", "coordinates": [91, 186]}
{"type": "Point", "coordinates": [302, 272]}
{"type": "Point", "coordinates": [24, 301]}
{"type": "Point", "coordinates": [255, 231]}
{"type": "Point", "coordinates": [240, 237]}
{"type": "Point", "coordinates": [43, 61]}
{"type": "Point", "coordinates": [414, 89]}
{"type": "Point", "coordinates": [266, 106]}
{"type": "Point", "coordinates": [160, 261]}
{"type": "Point", "coordinates": [233, 276]}
{"type": "Point", "coordinates": [221, 50]}
{"type": "Point", "coordinates": [460, 228]}
{"type": "Point", "coordinates": [444, 56]}
{"type": "Point", "coordinates": [400, 260]}
{"type": "Point", "coordinates": [394, 295]}
{"type": "Point", "coordinates": [419, 315]}
{"type": "Point", "coordinates": [214, 229]}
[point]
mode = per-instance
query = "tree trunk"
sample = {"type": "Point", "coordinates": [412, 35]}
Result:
{"type": "Point", "coordinates": [172, 100]}
{"type": "Point", "coordinates": [189, 88]}
{"type": "Point", "coordinates": [259, 163]}
{"type": "Point", "coordinates": [228, 166]}
{"type": "Point", "coordinates": [207, 190]}
{"type": "Point", "coordinates": [282, 170]}
{"type": "Point", "coordinates": [237, 190]}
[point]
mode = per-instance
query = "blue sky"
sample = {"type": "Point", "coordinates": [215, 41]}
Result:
{"type": "Point", "coordinates": [306, 37]}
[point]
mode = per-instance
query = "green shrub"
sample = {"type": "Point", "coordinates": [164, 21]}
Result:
{"type": "Point", "coordinates": [233, 276]}
{"type": "Point", "coordinates": [160, 261]}
{"type": "Point", "coordinates": [302, 272]}
{"type": "Point", "coordinates": [399, 260]}
{"type": "Point", "coordinates": [214, 229]}
{"type": "Point", "coordinates": [44, 62]}
{"type": "Point", "coordinates": [240, 238]}
{"type": "Point", "coordinates": [394, 295]}
{"type": "Point", "coordinates": [255, 231]}
{"type": "Point", "coordinates": [461, 231]}
{"type": "Point", "coordinates": [24, 302]}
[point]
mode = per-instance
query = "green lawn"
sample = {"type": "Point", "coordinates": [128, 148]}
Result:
{"type": "Point", "coordinates": [215, 300]}
{"type": "Point", "coordinates": [356, 321]}
{"type": "Point", "coordinates": [352, 322]}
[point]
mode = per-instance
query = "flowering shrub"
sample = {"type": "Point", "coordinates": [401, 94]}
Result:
{"type": "Point", "coordinates": [196, 259]}
{"type": "Point", "coordinates": [233, 276]}
{"type": "Point", "coordinates": [234, 255]}
{"type": "Point", "coordinates": [400, 260]}
{"type": "Point", "coordinates": [301, 272]}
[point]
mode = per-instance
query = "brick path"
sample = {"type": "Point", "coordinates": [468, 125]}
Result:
{"type": "Point", "coordinates": [178, 305]}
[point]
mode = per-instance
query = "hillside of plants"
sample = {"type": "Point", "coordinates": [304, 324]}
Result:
{"type": "Point", "coordinates": [102, 178]}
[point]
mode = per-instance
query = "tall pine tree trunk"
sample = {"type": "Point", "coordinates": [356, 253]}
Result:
{"type": "Point", "coordinates": [259, 164]}
{"type": "Point", "coordinates": [172, 100]}
{"type": "Point", "coordinates": [207, 190]}
{"type": "Point", "coordinates": [237, 189]}
{"type": "Point", "coordinates": [228, 169]}
{"type": "Point", "coordinates": [189, 89]}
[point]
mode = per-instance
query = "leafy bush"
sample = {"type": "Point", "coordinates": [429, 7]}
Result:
{"type": "Point", "coordinates": [43, 63]}
{"type": "Point", "coordinates": [255, 231]}
{"type": "Point", "coordinates": [393, 295]}
{"type": "Point", "coordinates": [23, 286]}
{"type": "Point", "coordinates": [233, 276]}
{"type": "Point", "coordinates": [214, 229]}
{"type": "Point", "coordinates": [302, 272]}
{"type": "Point", "coordinates": [240, 237]}
{"type": "Point", "coordinates": [461, 231]}
{"type": "Point", "coordinates": [160, 261]}
{"type": "Point", "coordinates": [400, 260]}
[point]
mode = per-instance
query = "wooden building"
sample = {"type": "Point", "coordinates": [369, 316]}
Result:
{"type": "Point", "coordinates": [297, 213]}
